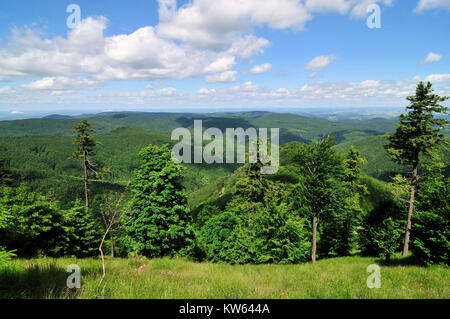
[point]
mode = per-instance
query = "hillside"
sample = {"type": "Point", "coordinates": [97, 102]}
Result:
{"type": "Point", "coordinates": [292, 127]}
{"type": "Point", "coordinates": [48, 166]}
{"type": "Point", "coordinates": [219, 192]}
{"type": "Point", "coordinates": [379, 165]}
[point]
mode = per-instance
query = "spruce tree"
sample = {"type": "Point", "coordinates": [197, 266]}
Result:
{"type": "Point", "coordinates": [82, 232]}
{"type": "Point", "coordinates": [418, 134]}
{"type": "Point", "coordinates": [86, 143]}
{"type": "Point", "coordinates": [159, 223]}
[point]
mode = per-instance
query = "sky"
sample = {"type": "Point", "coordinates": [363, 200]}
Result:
{"type": "Point", "coordinates": [224, 54]}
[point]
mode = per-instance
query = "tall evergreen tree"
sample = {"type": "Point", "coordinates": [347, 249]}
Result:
{"type": "Point", "coordinates": [418, 134]}
{"type": "Point", "coordinates": [159, 223]}
{"type": "Point", "coordinates": [85, 142]}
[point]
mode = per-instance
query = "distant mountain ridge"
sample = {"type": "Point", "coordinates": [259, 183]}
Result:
{"type": "Point", "coordinates": [293, 127]}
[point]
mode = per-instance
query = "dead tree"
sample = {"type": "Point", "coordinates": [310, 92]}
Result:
{"type": "Point", "coordinates": [112, 213]}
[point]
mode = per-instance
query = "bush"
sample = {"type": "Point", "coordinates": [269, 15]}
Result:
{"type": "Point", "coordinates": [35, 226]}
{"type": "Point", "coordinates": [382, 230]}
{"type": "Point", "coordinates": [271, 235]}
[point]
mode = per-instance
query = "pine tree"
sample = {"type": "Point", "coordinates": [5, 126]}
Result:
{"type": "Point", "coordinates": [418, 134]}
{"type": "Point", "coordinates": [159, 223]}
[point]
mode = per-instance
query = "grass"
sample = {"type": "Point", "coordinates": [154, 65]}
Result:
{"type": "Point", "coordinates": [177, 278]}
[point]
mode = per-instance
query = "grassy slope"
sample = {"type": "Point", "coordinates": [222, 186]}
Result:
{"type": "Point", "coordinates": [177, 278]}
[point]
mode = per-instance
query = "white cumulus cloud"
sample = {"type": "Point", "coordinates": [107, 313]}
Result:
{"type": "Point", "coordinates": [258, 69]}
{"type": "Point", "coordinates": [319, 63]}
{"type": "Point", "coordinates": [432, 57]}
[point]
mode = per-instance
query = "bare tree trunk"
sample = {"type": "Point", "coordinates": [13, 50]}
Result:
{"type": "Point", "coordinates": [314, 240]}
{"type": "Point", "coordinates": [100, 248]}
{"type": "Point", "coordinates": [112, 245]}
{"type": "Point", "coordinates": [86, 190]}
{"type": "Point", "coordinates": [410, 212]}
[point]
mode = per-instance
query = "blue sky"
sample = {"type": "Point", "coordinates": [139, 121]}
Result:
{"type": "Point", "coordinates": [227, 54]}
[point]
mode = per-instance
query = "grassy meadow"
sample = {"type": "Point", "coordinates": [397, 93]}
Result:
{"type": "Point", "coordinates": [178, 278]}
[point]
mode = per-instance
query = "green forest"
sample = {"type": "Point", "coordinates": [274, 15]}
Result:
{"type": "Point", "coordinates": [103, 191]}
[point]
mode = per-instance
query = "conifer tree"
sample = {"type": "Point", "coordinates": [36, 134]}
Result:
{"type": "Point", "coordinates": [159, 223]}
{"type": "Point", "coordinates": [86, 143]}
{"type": "Point", "coordinates": [418, 134]}
{"type": "Point", "coordinates": [82, 232]}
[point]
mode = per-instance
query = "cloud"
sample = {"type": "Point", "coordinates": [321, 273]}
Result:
{"type": "Point", "coordinates": [247, 46]}
{"type": "Point", "coordinates": [169, 91]}
{"type": "Point", "coordinates": [7, 90]}
{"type": "Point", "coordinates": [258, 69]}
{"type": "Point", "coordinates": [59, 83]}
{"type": "Point", "coordinates": [323, 6]}
{"type": "Point", "coordinates": [222, 64]}
{"type": "Point", "coordinates": [432, 57]}
{"type": "Point", "coordinates": [224, 77]}
{"type": "Point", "coordinates": [424, 5]}
{"type": "Point", "coordinates": [61, 92]}
{"type": "Point", "coordinates": [141, 55]}
{"type": "Point", "coordinates": [17, 112]}
{"type": "Point", "coordinates": [245, 87]}
{"type": "Point", "coordinates": [319, 63]}
{"type": "Point", "coordinates": [202, 25]}
{"type": "Point", "coordinates": [438, 78]}
{"type": "Point", "coordinates": [189, 41]}
{"type": "Point", "coordinates": [281, 92]}
{"type": "Point", "coordinates": [204, 91]}
{"type": "Point", "coordinates": [368, 84]}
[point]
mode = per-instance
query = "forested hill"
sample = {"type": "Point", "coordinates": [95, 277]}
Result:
{"type": "Point", "coordinates": [378, 163]}
{"type": "Point", "coordinates": [292, 127]}
{"type": "Point", "coordinates": [38, 150]}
